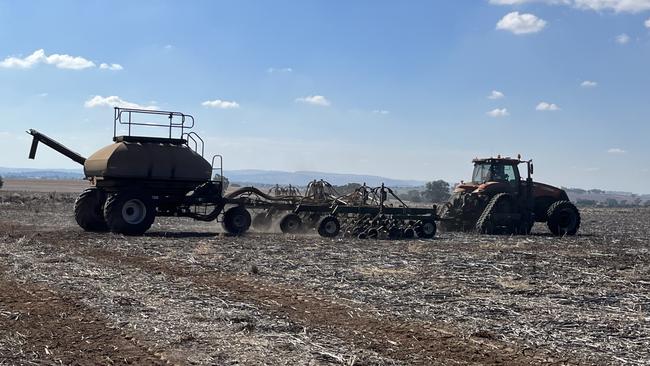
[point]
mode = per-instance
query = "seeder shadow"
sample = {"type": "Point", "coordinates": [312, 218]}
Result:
{"type": "Point", "coordinates": [181, 234]}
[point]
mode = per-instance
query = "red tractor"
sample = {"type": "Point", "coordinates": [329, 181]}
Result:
{"type": "Point", "coordinates": [499, 201]}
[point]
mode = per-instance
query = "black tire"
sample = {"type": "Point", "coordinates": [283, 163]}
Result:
{"type": "Point", "coordinates": [409, 233]}
{"type": "Point", "coordinates": [129, 213]}
{"type": "Point", "coordinates": [236, 220]}
{"type": "Point", "coordinates": [426, 229]}
{"type": "Point", "coordinates": [329, 227]}
{"type": "Point", "coordinates": [500, 203]}
{"type": "Point", "coordinates": [563, 218]}
{"type": "Point", "coordinates": [395, 232]}
{"type": "Point", "coordinates": [291, 224]}
{"type": "Point", "coordinates": [262, 221]}
{"type": "Point", "coordinates": [89, 210]}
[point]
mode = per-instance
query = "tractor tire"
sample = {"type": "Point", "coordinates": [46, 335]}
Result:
{"type": "Point", "coordinates": [291, 224]}
{"type": "Point", "coordinates": [89, 210]}
{"type": "Point", "coordinates": [498, 204]}
{"type": "Point", "coordinates": [426, 229]}
{"type": "Point", "coordinates": [262, 221]}
{"type": "Point", "coordinates": [563, 218]}
{"type": "Point", "coordinates": [329, 227]}
{"type": "Point", "coordinates": [129, 213]}
{"type": "Point", "coordinates": [236, 220]}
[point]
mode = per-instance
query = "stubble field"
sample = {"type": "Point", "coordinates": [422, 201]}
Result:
{"type": "Point", "coordinates": [186, 294]}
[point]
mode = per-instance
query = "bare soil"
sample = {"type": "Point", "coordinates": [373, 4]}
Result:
{"type": "Point", "coordinates": [187, 294]}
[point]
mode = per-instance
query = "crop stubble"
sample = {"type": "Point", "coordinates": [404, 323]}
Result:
{"type": "Point", "coordinates": [185, 294]}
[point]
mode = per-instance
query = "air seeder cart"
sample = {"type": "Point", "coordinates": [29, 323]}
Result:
{"type": "Point", "coordinates": [139, 177]}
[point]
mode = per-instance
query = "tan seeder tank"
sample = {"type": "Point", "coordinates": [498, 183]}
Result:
{"type": "Point", "coordinates": [138, 158]}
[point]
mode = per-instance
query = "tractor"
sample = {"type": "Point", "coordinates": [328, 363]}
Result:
{"type": "Point", "coordinates": [499, 201]}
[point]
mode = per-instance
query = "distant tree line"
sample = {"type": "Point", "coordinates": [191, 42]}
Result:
{"type": "Point", "coordinates": [432, 192]}
{"type": "Point", "coordinates": [2, 182]}
{"type": "Point", "coordinates": [612, 202]}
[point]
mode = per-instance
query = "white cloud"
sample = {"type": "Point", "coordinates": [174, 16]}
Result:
{"type": "Point", "coordinates": [168, 47]}
{"type": "Point", "coordinates": [221, 104]}
{"type": "Point", "coordinates": [39, 56]}
{"type": "Point", "coordinates": [616, 150]}
{"type": "Point", "coordinates": [282, 70]}
{"type": "Point", "coordinates": [521, 2]}
{"type": "Point", "coordinates": [544, 106]}
{"type": "Point", "coordinates": [314, 100]}
{"type": "Point", "coordinates": [622, 39]}
{"type": "Point", "coordinates": [58, 60]}
{"type": "Point", "coordinates": [114, 101]}
{"type": "Point", "coordinates": [498, 112]}
{"type": "Point", "coordinates": [381, 111]}
{"type": "Point", "coordinates": [114, 67]}
{"type": "Point", "coordinates": [43, 95]}
{"type": "Point", "coordinates": [589, 84]}
{"type": "Point", "coordinates": [496, 95]}
{"type": "Point", "coordinates": [521, 23]}
{"type": "Point", "coordinates": [619, 6]}
{"type": "Point", "coordinates": [647, 23]}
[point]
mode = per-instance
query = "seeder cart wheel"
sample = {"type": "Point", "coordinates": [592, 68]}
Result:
{"type": "Point", "coordinates": [89, 210]}
{"type": "Point", "coordinates": [129, 213]}
{"type": "Point", "coordinates": [329, 227]}
{"type": "Point", "coordinates": [291, 224]}
{"type": "Point", "coordinates": [236, 220]}
{"type": "Point", "coordinates": [426, 229]}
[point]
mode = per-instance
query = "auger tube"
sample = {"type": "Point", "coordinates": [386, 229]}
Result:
{"type": "Point", "coordinates": [39, 137]}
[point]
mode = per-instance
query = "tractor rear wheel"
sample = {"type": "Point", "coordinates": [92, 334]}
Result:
{"type": "Point", "coordinates": [291, 224]}
{"type": "Point", "coordinates": [129, 213]}
{"type": "Point", "coordinates": [329, 227]}
{"type": "Point", "coordinates": [563, 218]}
{"type": "Point", "coordinates": [89, 210]}
{"type": "Point", "coordinates": [236, 220]}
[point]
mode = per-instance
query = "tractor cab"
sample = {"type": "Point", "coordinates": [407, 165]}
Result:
{"type": "Point", "coordinates": [496, 170]}
{"type": "Point", "coordinates": [499, 174]}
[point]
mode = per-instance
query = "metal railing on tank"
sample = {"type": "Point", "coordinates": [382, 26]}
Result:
{"type": "Point", "coordinates": [177, 123]}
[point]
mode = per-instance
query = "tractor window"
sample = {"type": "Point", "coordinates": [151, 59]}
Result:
{"type": "Point", "coordinates": [481, 173]}
{"type": "Point", "coordinates": [494, 173]}
{"type": "Point", "coordinates": [509, 174]}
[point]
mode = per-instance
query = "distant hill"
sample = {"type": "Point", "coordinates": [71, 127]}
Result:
{"type": "Point", "coordinates": [247, 176]}
{"type": "Point", "coordinates": [302, 178]}
{"type": "Point", "coordinates": [25, 173]}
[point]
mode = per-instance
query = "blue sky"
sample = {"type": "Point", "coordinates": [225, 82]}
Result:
{"type": "Point", "coordinates": [402, 89]}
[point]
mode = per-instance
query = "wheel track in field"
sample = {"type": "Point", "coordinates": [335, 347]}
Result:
{"type": "Point", "coordinates": [42, 326]}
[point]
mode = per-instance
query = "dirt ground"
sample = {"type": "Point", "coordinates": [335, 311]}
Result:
{"type": "Point", "coordinates": [187, 294]}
